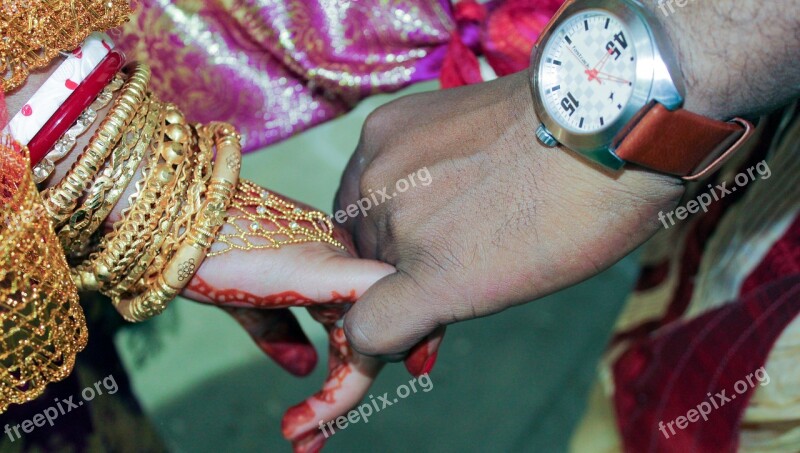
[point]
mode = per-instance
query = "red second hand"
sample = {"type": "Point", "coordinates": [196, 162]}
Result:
{"type": "Point", "coordinates": [611, 78]}
{"type": "Point", "coordinates": [603, 60]}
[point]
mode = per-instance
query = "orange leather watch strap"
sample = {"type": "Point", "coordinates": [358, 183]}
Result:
{"type": "Point", "coordinates": [679, 142]}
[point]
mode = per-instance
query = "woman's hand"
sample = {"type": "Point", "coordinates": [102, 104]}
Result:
{"type": "Point", "coordinates": [257, 287]}
{"type": "Point", "coordinates": [350, 375]}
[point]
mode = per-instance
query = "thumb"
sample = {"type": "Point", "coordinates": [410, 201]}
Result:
{"type": "Point", "coordinates": [343, 276]}
{"type": "Point", "coordinates": [391, 317]}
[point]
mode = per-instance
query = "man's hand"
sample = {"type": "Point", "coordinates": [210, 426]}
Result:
{"type": "Point", "coordinates": [504, 220]}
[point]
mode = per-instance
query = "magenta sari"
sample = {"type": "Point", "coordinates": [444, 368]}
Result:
{"type": "Point", "coordinates": [276, 68]}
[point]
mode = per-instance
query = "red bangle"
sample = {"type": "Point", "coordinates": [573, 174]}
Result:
{"type": "Point", "coordinates": [66, 115]}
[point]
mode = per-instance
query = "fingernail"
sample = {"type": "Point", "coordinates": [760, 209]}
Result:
{"type": "Point", "coordinates": [429, 363]}
{"type": "Point", "coordinates": [419, 361]}
{"type": "Point", "coordinates": [296, 416]}
{"type": "Point", "coordinates": [422, 356]}
{"type": "Point", "coordinates": [311, 442]}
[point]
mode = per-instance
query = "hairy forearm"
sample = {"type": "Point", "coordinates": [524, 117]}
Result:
{"type": "Point", "coordinates": [738, 57]}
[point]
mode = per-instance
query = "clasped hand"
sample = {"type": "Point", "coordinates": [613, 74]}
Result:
{"type": "Point", "coordinates": [503, 221]}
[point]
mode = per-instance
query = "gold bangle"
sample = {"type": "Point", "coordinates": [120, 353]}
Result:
{"type": "Point", "coordinates": [122, 246]}
{"type": "Point", "coordinates": [154, 259]}
{"type": "Point", "coordinates": [191, 253]}
{"type": "Point", "coordinates": [60, 200]}
{"type": "Point", "coordinates": [175, 146]}
{"type": "Point", "coordinates": [179, 209]}
{"type": "Point", "coordinates": [92, 273]}
{"type": "Point", "coordinates": [112, 182]}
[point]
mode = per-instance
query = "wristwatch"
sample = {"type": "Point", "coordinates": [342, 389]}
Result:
{"type": "Point", "coordinates": [606, 84]}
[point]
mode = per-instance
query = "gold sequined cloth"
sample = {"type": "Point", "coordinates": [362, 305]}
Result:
{"type": "Point", "coordinates": [42, 326]}
{"type": "Point", "coordinates": [33, 32]}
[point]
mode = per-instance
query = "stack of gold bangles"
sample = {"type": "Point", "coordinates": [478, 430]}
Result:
{"type": "Point", "coordinates": [177, 209]}
{"type": "Point", "coordinates": [137, 129]}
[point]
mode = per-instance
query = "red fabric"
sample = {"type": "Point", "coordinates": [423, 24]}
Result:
{"type": "Point", "coordinates": [460, 65]}
{"type": "Point", "coordinates": [782, 259]}
{"type": "Point", "coordinates": [469, 10]}
{"type": "Point", "coordinates": [672, 364]}
{"type": "Point", "coordinates": [691, 257]}
{"type": "Point", "coordinates": [512, 30]}
{"type": "Point", "coordinates": [660, 379]}
{"type": "Point", "coordinates": [504, 31]}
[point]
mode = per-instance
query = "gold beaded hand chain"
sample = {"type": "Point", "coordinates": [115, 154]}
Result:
{"type": "Point", "coordinates": [262, 220]}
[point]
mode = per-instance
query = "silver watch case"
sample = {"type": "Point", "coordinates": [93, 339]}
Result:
{"type": "Point", "coordinates": [657, 78]}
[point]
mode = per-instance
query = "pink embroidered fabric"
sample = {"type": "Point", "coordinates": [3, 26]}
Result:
{"type": "Point", "coordinates": [275, 68]}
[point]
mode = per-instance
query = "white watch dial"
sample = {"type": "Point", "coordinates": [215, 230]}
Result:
{"type": "Point", "coordinates": [587, 71]}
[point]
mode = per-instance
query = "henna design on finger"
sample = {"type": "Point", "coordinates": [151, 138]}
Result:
{"type": "Point", "coordinates": [298, 422]}
{"type": "Point", "coordinates": [340, 360]}
{"type": "Point", "coordinates": [339, 368]}
{"type": "Point", "coordinates": [239, 298]}
{"type": "Point", "coordinates": [297, 415]}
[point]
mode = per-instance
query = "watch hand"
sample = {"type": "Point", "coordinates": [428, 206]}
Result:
{"type": "Point", "coordinates": [611, 78]}
{"type": "Point", "coordinates": [602, 61]}
{"type": "Point", "coordinates": [593, 73]}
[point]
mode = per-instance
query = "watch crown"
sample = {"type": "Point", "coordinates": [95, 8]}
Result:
{"type": "Point", "coordinates": [545, 137]}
